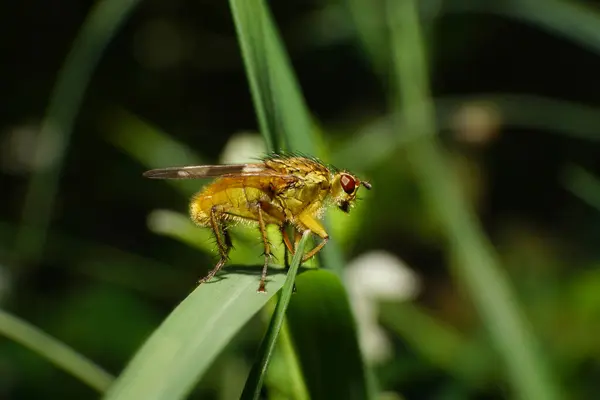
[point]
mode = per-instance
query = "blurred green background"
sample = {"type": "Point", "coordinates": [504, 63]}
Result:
{"type": "Point", "coordinates": [98, 257]}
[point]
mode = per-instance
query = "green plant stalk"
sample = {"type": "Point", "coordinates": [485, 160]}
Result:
{"type": "Point", "coordinates": [56, 129]}
{"type": "Point", "coordinates": [259, 369]}
{"type": "Point", "coordinates": [54, 351]}
{"type": "Point", "coordinates": [476, 263]}
{"type": "Point", "coordinates": [294, 387]}
{"type": "Point", "coordinates": [298, 386]}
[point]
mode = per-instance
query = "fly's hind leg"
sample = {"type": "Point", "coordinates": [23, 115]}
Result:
{"type": "Point", "coordinates": [268, 254]}
{"type": "Point", "coordinates": [223, 241]}
{"type": "Point", "coordinates": [288, 248]}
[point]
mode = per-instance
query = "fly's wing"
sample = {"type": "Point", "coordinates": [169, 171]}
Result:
{"type": "Point", "coordinates": [213, 171]}
{"type": "Point", "coordinates": [203, 171]}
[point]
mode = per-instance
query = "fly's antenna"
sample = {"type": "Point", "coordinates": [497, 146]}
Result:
{"type": "Point", "coordinates": [366, 184]}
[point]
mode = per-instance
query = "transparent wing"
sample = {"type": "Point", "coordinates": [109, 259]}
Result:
{"type": "Point", "coordinates": [209, 171]}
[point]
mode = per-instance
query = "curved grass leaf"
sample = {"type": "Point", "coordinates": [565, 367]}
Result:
{"type": "Point", "coordinates": [54, 351]}
{"type": "Point", "coordinates": [259, 369]}
{"type": "Point", "coordinates": [176, 355]}
{"type": "Point", "coordinates": [325, 337]}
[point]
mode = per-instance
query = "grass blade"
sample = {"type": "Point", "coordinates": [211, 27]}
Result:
{"type": "Point", "coordinates": [176, 355]}
{"type": "Point", "coordinates": [284, 379]}
{"type": "Point", "coordinates": [97, 30]}
{"type": "Point", "coordinates": [476, 265]}
{"type": "Point", "coordinates": [250, 20]}
{"type": "Point", "coordinates": [283, 117]}
{"type": "Point", "coordinates": [54, 351]}
{"type": "Point", "coordinates": [259, 369]}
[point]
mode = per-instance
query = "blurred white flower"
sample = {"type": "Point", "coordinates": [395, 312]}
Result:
{"type": "Point", "coordinates": [371, 277]}
{"type": "Point", "coordinates": [243, 147]}
{"type": "Point", "coordinates": [477, 123]}
{"type": "Point", "coordinates": [18, 148]}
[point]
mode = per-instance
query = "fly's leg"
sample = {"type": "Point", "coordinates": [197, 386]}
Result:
{"type": "Point", "coordinates": [297, 237]}
{"type": "Point", "coordinates": [288, 245]}
{"type": "Point", "coordinates": [315, 227]}
{"type": "Point", "coordinates": [223, 241]}
{"type": "Point", "coordinates": [268, 254]}
{"type": "Point", "coordinates": [315, 250]}
{"type": "Point", "coordinates": [287, 248]}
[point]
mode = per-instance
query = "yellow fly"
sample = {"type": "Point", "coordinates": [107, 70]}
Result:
{"type": "Point", "coordinates": [284, 190]}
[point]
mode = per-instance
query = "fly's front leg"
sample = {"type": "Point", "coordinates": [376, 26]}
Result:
{"type": "Point", "coordinates": [268, 254]}
{"type": "Point", "coordinates": [315, 227]}
{"type": "Point", "coordinates": [223, 241]}
{"type": "Point", "coordinates": [317, 248]}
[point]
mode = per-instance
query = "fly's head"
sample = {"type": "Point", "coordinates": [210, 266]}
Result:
{"type": "Point", "coordinates": [344, 188]}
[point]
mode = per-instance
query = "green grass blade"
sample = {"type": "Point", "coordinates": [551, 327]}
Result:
{"type": "Point", "coordinates": [284, 379]}
{"type": "Point", "coordinates": [325, 337]}
{"type": "Point", "coordinates": [250, 20]}
{"type": "Point", "coordinates": [177, 354]}
{"type": "Point", "coordinates": [54, 351]}
{"type": "Point", "coordinates": [476, 265]}
{"type": "Point", "coordinates": [284, 119]}
{"type": "Point", "coordinates": [97, 30]}
{"type": "Point", "coordinates": [259, 369]}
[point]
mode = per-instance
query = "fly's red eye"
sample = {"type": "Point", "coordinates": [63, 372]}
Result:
{"type": "Point", "coordinates": [348, 183]}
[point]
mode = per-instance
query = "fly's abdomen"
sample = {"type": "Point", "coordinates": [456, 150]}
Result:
{"type": "Point", "coordinates": [237, 201]}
